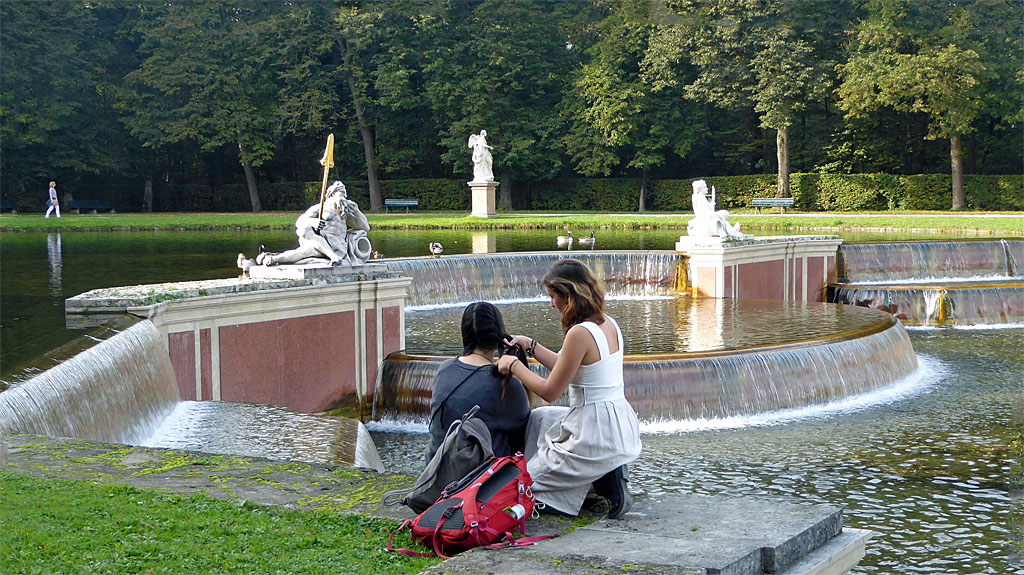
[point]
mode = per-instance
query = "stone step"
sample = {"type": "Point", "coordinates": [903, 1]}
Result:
{"type": "Point", "coordinates": [689, 534]}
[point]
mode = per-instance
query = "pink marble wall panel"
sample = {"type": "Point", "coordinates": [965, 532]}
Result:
{"type": "Point", "coordinates": [305, 363]}
{"type": "Point", "coordinates": [370, 320]}
{"type": "Point", "coordinates": [206, 369]}
{"type": "Point", "coordinates": [762, 280]}
{"type": "Point", "coordinates": [391, 325]}
{"type": "Point", "coordinates": [181, 347]}
{"type": "Point", "coordinates": [730, 274]}
{"type": "Point", "coordinates": [816, 278]}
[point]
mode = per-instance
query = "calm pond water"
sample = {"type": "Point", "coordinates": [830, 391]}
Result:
{"type": "Point", "coordinates": [38, 271]}
{"type": "Point", "coordinates": [927, 467]}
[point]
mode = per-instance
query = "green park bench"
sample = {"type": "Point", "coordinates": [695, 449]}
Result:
{"type": "Point", "coordinates": [396, 203]}
{"type": "Point", "coordinates": [781, 203]}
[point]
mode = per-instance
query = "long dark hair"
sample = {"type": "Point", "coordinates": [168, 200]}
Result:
{"type": "Point", "coordinates": [484, 328]}
{"type": "Point", "coordinates": [573, 281]}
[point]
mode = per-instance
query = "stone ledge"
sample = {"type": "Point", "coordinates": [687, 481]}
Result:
{"type": "Point", "coordinates": [117, 300]}
{"type": "Point", "coordinates": [689, 534]}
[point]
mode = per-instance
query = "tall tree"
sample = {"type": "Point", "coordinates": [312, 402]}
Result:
{"type": "Point", "coordinates": [208, 75]}
{"type": "Point", "coordinates": [57, 122]}
{"type": "Point", "coordinates": [498, 66]}
{"type": "Point", "coordinates": [750, 53]}
{"type": "Point", "coordinates": [916, 57]}
{"type": "Point", "coordinates": [620, 114]}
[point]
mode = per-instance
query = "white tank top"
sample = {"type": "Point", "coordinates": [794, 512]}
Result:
{"type": "Point", "coordinates": [601, 380]}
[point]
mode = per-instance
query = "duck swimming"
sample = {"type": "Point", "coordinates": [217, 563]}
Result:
{"type": "Point", "coordinates": [565, 241]}
{"type": "Point", "coordinates": [587, 242]}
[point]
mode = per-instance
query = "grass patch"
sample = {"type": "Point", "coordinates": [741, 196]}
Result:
{"type": "Point", "coordinates": [906, 221]}
{"type": "Point", "coordinates": [68, 526]}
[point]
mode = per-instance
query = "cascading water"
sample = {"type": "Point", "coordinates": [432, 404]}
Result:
{"type": "Point", "coordinates": [711, 384]}
{"type": "Point", "coordinates": [516, 276]}
{"type": "Point", "coordinates": [936, 284]}
{"type": "Point", "coordinates": [926, 261]}
{"type": "Point", "coordinates": [123, 390]}
{"type": "Point", "coordinates": [710, 359]}
{"type": "Point", "coordinates": [117, 391]}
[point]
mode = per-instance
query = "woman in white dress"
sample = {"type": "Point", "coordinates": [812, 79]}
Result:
{"type": "Point", "coordinates": [592, 440]}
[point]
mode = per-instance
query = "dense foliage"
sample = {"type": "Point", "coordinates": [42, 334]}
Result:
{"type": "Point", "coordinates": [226, 104]}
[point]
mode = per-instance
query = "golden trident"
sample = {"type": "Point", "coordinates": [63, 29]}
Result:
{"type": "Point", "coordinates": [327, 162]}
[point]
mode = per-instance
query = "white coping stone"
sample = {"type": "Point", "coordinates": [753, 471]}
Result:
{"type": "Point", "coordinates": [687, 243]}
{"type": "Point", "coordinates": [298, 272]}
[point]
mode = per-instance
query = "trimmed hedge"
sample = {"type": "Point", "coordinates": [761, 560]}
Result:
{"type": "Point", "coordinates": [811, 192]}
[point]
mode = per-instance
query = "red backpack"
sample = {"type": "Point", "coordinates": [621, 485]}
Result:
{"type": "Point", "coordinates": [483, 509]}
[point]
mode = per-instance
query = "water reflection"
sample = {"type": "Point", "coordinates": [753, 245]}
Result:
{"type": "Point", "coordinates": [53, 253]}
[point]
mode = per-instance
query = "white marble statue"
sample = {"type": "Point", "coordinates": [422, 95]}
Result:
{"type": "Point", "coordinates": [709, 223]}
{"type": "Point", "coordinates": [340, 237]}
{"type": "Point", "coordinates": [482, 170]}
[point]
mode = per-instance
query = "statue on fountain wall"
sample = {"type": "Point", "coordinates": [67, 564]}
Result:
{"type": "Point", "coordinates": [482, 161]}
{"type": "Point", "coordinates": [338, 236]}
{"type": "Point", "coordinates": [709, 222]}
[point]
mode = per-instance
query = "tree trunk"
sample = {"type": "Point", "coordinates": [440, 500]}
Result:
{"type": "Point", "coordinates": [505, 193]}
{"type": "Point", "coordinates": [365, 130]}
{"type": "Point", "coordinates": [782, 149]}
{"type": "Point", "coordinates": [644, 176]}
{"type": "Point", "coordinates": [957, 159]}
{"type": "Point", "coordinates": [147, 195]}
{"type": "Point", "coordinates": [250, 177]}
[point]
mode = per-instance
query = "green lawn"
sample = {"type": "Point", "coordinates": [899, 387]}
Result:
{"type": "Point", "coordinates": [71, 526]}
{"type": "Point", "coordinates": [982, 223]}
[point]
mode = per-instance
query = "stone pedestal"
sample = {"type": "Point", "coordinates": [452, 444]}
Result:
{"type": "Point", "coordinates": [483, 199]}
{"type": "Point", "coordinates": [784, 268]}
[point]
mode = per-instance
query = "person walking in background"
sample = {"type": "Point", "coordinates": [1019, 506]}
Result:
{"type": "Point", "coordinates": [568, 449]}
{"type": "Point", "coordinates": [52, 203]}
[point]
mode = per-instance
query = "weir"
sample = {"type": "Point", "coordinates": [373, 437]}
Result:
{"type": "Point", "coordinates": [936, 283]}
{"type": "Point", "coordinates": [512, 276]}
{"type": "Point", "coordinates": [117, 391]}
{"type": "Point", "coordinates": [685, 357]}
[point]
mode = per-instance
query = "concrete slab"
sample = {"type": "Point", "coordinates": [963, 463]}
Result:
{"type": "Point", "coordinates": [718, 535]}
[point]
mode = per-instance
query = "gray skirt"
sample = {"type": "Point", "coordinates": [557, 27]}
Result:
{"type": "Point", "coordinates": [567, 448]}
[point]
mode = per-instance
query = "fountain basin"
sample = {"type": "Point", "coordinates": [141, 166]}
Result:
{"type": "Point", "coordinates": [715, 376]}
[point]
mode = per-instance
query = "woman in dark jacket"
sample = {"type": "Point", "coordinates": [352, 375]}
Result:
{"type": "Point", "coordinates": [472, 379]}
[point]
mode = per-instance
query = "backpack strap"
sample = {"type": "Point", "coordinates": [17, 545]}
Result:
{"type": "Point", "coordinates": [440, 404]}
{"type": "Point", "coordinates": [405, 552]}
{"type": "Point", "coordinates": [444, 517]}
{"type": "Point", "coordinates": [511, 542]}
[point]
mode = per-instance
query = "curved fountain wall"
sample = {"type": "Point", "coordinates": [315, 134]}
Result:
{"type": "Point", "coordinates": [118, 391]}
{"type": "Point", "coordinates": [711, 384]}
{"type": "Point", "coordinates": [673, 386]}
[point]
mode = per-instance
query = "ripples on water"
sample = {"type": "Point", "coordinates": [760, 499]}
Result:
{"type": "Point", "coordinates": [927, 469]}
